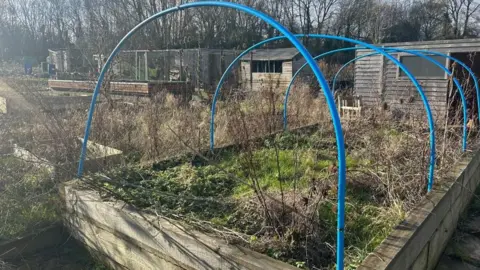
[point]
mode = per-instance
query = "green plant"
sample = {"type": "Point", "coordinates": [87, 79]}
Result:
{"type": "Point", "coordinates": [279, 194]}
{"type": "Point", "coordinates": [28, 198]}
{"type": "Point", "coordinates": [183, 190]}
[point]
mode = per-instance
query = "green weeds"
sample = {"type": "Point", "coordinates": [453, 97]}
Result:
{"type": "Point", "coordinates": [28, 198]}
{"type": "Point", "coordinates": [290, 165]}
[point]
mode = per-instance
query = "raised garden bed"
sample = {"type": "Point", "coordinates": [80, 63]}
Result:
{"type": "Point", "coordinates": [137, 88]}
{"type": "Point", "coordinates": [128, 239]}
{"type": "Point", "coordinates": [418, 242]}
{"type": "Point", "coordinates": [61, 159]}
{"type": "Point", "coordinates": [276, 196]}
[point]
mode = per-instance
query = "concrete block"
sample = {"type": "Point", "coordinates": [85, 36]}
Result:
{"type": "Point", "coordinates": [440, 240]}
{"type": "Point", "coordinates": [455, 212]}
{"type": "Point", "coordinates": [421, 261]}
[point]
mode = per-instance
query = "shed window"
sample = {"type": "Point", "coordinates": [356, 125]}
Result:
{"type": "Point", "coordinates": [422, 68]}
{"type": "Point", "coordinates": [267, 66]}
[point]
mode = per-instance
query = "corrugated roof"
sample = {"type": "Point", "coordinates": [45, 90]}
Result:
{"type": "Point", "coordinates": [271, 54]}
{"type": "Point", "coordinates": [475, 41]}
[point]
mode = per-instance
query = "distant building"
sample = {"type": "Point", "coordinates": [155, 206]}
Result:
{"type": "Point", "coordinates": [265, 68]}
{"type": "Point", "coordinates": [379, 81]}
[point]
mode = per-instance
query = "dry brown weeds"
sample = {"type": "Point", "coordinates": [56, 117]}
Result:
{"type": "Point", "coordinates": [391, 153]}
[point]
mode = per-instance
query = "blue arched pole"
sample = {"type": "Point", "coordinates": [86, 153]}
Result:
{"type": "Point", "coordinates": [364, 45]}
{"type": "Point", "coordinates": [446, 70]}
{"type": "Point", "coordinates": [328, 95]}
{"type": "Point", "coordinates": [229, 69]}
{"type": "Point", "coordinates": [462, 95]}
{"type": "Point", "coordinates": [225, 74]}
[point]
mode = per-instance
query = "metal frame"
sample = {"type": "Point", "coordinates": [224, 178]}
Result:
{"type": "Point", "coordinates": [446, 71]}
{"type": "Point", "coordinates": [428, 110]}
{"type": "Point", "coordinates": [328, 95]}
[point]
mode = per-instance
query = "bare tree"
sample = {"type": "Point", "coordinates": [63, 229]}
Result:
{"type": "Point", "coordinates": [30, 27]}
{"type": "Point", "coordinates": [461, 12]}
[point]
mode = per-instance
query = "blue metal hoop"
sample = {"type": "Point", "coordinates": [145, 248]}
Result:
{"type": "Point", "coordinates": [461, 92]}
{"type": "Point", "coordinates": [328, 95]}
{"type": "Point", "coordinates": [474, 77]}
{"type": "Point", "coordinates": [365, 45]}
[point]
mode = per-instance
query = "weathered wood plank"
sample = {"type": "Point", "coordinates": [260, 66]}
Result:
{"type": "Point", "coordinates": [128, 88]}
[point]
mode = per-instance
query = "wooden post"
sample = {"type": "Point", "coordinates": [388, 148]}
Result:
{"type": "Point", "coordinates": [349, 112]}
{"type": "Point", "coordinates": [251, 72]}
{"type": "Point", "coordinates": [168, 64]}
{"type": "Point", "coordinates": [359, 106]}
{"type": "Point", "coordinates": [137, 73]}
{"type": "Point", "coordinates": [199, 59]}
{"type": "Point", "coordinates": [339, 104]}
{"type": "Point", "coordinates": [146, 66]}
{"type": "Point", "coordinates": [181, 65]}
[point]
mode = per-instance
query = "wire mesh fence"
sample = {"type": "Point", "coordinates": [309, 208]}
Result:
{"type": "Point", "coordinates": [200, 67]}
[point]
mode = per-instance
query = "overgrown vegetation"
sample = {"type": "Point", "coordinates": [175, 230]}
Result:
{"type": "Point", "coordinates": [29, 194]}
{"type": "Point", "coordinates": [227, 195]}
{"type": "Point", "coordinates": [27, 200]}
{"type": "Point", "coordinates": [270, 190]}
{"type": "Point", "coordinates": [279, 196]}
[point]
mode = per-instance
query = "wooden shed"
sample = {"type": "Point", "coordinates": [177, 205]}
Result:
{"type": "Point", "coordinates": [380, 82]}
{"type": "Point", "coordinates": [269, 68]}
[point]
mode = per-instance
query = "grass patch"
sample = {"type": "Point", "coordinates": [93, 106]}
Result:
{"type": "Point", "coordinates": [235, 191]}
{"type": "Point", "coordinates": [28, 199]}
